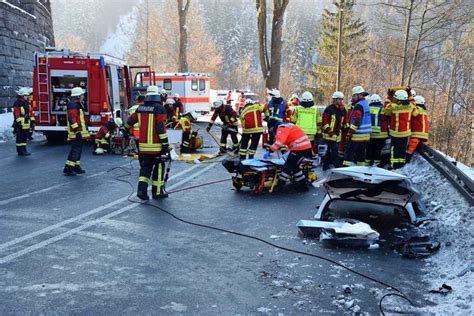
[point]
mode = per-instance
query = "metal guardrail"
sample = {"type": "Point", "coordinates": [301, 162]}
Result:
{"type": "Point", "coordinates": [461, 182]}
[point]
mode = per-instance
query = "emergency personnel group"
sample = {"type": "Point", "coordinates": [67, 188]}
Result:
{"type": "Point", "coordinates": [355, 134]}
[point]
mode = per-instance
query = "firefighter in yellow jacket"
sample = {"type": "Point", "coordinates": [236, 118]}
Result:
{"type": "Point", "coordinates": [23, 117]}
{"type": "Point", "coordinates": [153, 144]}
{"type": "Point", "coordinates": [77, 132]}
{"type": "Point", "coordinates": [307, 116]}
{"type": "Point", "coordinates": [251, 119]}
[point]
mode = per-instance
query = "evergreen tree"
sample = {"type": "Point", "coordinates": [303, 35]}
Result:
{"type": "Point", "coordinates": [353, 48]}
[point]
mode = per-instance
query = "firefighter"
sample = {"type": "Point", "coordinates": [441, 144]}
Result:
{"type": "Point", "coordinates": [307, 116]}
{"type": "Point", "coordinates": [22, 115]}
{"type": "Point", "coordinates": [77, 132]}
{"type": "Point", "coordinates": [400, 117]}
{"type": "Point", "coordinates": [170, 113]}
{"type": "Point", "coordinates": [419, 126]}
{"type": "Point", "coordinates": [379, 132]}
{"type": "Point", "coordinates": [32, 117]}
{"type": "Point", "coordinates": [360, 127]}
{"type": "Point", "coordinates": [135, 129]}
{"type": "Point", "coordinates": [153, 144]}
{"type": "Point", "coordinates": [292, 104]}
{"type": "Point", "coordinates": [229, 120]}
{"type": "Point", "coordinates": [163, 96]}
{"type": "Point", "coordinates": [277, 109]}
{"type": "Point", "coordinates": [299, 147]}
{"type": "Point", "coordinates": [252, 128]}
{"type": "Point", "coordinates": [178, 107]}
{"type": "Point", "coordinates": [188, 139]}
{"type": "Point", "coordinates": [333, 118]}
{"type": "Point", "coordinates": [103, 136]}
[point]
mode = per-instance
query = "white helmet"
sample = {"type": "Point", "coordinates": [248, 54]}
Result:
{"type": "Point", "coordinates": [307, 97]}
{"type": "Point", "coordinates": [24, 91]}
{"type": "Point", "coordinates": [413, 92]}
{"type": "Point", "coordinates": [176, 95]}
{"type": "Point", "coordinates": [338, 95]}
{"type": "Point", "coordinates": [357, 90]}
{"type": "Point", "coordinates": [77, 91]}
{"type": "Point", "coordinates": [170, 101]}
{"type": "Point", "coordinates": [30, 91]}
{"type": "Point", "coordinates": [294, 96]}
{"type": "Point", "coordinates": [217, 104]}
{"type": "Point", "coordinates": [248, 101]}
{"type": "Point", "coordinates": [419, 100]}
{"type": "Point", "coordinates": [275, 93]}
{"type": "Point", "coordinates": [163, 91]}
{"type": "Point", "coordinates": [401, 95]}
{"type": "Point", "coordinates": [193, 115]}
{"type": "Point", "coordinates": [375, 98]}
{"type": "Point", "coordinates": [99, 151]}
{"type": "Point", "coordinates": [152, 90]}
{"type": "Point", "coordinates": [118, 121]}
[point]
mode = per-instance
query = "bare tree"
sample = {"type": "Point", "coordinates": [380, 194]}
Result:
{"type": "Point", "coordinates": [270, 61]}
{"type": "Point", "coordinates": [183, 8]}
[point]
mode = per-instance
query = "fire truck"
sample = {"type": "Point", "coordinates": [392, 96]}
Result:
{"type": "Point", "coordinates": [110, 85]}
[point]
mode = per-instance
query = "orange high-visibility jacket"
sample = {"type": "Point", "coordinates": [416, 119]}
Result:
{"type": "Point", "coordinates": [291, 136]}
{"type": "Point", "coordinates": [419, 123]}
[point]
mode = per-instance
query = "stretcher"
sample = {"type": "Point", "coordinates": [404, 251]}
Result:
{"type": "Point", "coordinates": [262, 175]}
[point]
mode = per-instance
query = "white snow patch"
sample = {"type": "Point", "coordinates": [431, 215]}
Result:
{"type": "Point", "coordinates": [455, 230]}
{"type": "Point", "coordinates": [6, 130]}
{"type": "Point", "coordinates": [119, 42]}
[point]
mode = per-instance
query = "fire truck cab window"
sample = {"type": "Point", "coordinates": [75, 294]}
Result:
{"type": "Point", "coordinates": [202, 84]}
{"type": "Point", "coordinates": [167, 84]}
{"type": "Point", "coordinates": [194, 84]}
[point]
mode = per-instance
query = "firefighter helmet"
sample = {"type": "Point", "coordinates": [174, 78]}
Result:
{"type": "Point", "coordinates": [118, 121]}
{"type": "Point", "coordinates": [30, 91]}
{"type": "Point", "coordinates": [152, 90]}
{"type": "Point", "coordinates": [176, 95]}
{"type": "Point", "coordinates": [307, 97]}
{"type": "Point", "coordinates": [163, 91]}
{"type": "Point", "coordinates": [274, 93]}
{"type": "Point", "coordinates": [217, 104]}
{"type": "Point", "coordinates": [357, 90]}
{"type": "Point", "coordinates": [420, 100]}
{"type": "Point", "coordinates": [23, 92]}
{"type": "Point", "coordinates": [413, 92]}
{"type": "Point", "coordinates": [375, 98]}
{"type": "Point", "coordinates": [294, 96]}
{"type": "Point", "coordinates": [77, 92]}
{"type": "Point", "coordinates": [338, 95]}
{"type": "Point", "coordinates": [99, 151]}
{"type": "Point", "coordinates": [248, 102]}
{"type": "Point", "coordinates": [401, 95]}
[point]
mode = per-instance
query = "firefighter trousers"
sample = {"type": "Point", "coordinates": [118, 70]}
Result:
{"type": "Point", "coordinates": [331, 157]}
{"type": "Point", "coordinates": [245, 149]}
{"type": "Point", "coordinates": [374, 151]}
{"type": "Point", "coordinates": [152, 170]}
{"type": "Point", "coordinates": [354, 152]}
{"type": "Point", "coordinates": [226, 131]}
{"type": "Point", "coordinates": [292, 166]}
{"type": "Point", "coordinates": [21, 139]}
{"type": "Point", "coordinates": [398, 151]}
{"type": "Point", "coordinates": [73, 162]}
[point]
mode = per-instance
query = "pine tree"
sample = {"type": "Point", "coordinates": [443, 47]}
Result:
{"type": "Point", "coordinates": [353, 48]}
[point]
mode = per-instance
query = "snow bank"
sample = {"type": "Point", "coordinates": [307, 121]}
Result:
{"type": "Point", "coordinates": [454, 228]}
{"type": "Point", "coordinates": [6, 131]}
{"type": "Point", "coordinates": [119, 42]}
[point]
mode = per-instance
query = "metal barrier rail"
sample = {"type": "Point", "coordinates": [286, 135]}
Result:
{"type": "Point", "coordinates": [461, 182]}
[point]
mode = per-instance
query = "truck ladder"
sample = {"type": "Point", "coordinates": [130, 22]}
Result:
{"type": "Point", "coordinates": [43, 89]}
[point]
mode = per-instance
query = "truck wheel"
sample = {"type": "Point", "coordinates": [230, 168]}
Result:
{"type": "Point", "coordinates": [56, 137]}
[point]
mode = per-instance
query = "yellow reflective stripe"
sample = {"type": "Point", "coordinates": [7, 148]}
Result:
{"type": "Point", "coordinates": [144, 179]}
{"type": "Point", "coordinates": [150, 128]}
{"type": "Point", "coordinates": [70, 163]}
{"type": "Point", "coordinates": [75, 125]}
{"type": "Point", "coordinates": [20, 144]}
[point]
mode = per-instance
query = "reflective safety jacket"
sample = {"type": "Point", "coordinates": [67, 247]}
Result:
{"type": "Point", "coordinates": [135, 128]}
{"type": "Point", "coordinates": [251, 119]}
{"type": "Point", "coordinates": [152, 119]}
{"type": "Point", "coordinates": [185, 124]}
{"type": "Point", "coordinates": [75, 121]}
{"type": "Point", "coordinates": [277, 110]}
{"type": "Point", "coordinates": [105, 132]}
{"type": "Point", "coordinates": [360, 122]}
{"type": "Point", "coordinates": [333, 118]}
{"type": "Point", "coordinates": [419, 123]}
{"type": "Point", "coordinates": [291, 136]}
{"type": "Point", "coordinates": [227, 115]}
{"type": "Point", "coordinates": [308, 119]}
{"type": "Point", "coordinates": [379, 121]}
{"type": "Point", "coordinates": [400, 119]}
{"type": "Point", "coordinates": [22, 114]}
{"type": "Point", "coordinates": [178, 109]}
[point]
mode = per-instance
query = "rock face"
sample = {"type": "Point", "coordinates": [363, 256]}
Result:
{"type": "Point", "coordinates": [26, 26]}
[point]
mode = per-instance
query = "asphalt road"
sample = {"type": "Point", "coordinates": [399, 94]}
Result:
{"type": "Point", "coordinates": [76, 245]}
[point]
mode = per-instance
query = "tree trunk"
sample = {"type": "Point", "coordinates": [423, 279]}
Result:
{"type": "Point", "coordinates": [183, 8]}
{"type": "Point", "coordinates": [339, 45]}
{"type": "Point", "coordinates": [405, 44]}
{"type": "Point", "coordinates": [262, 38]}
{"type": "Point", "coordinates": [418, 41]}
